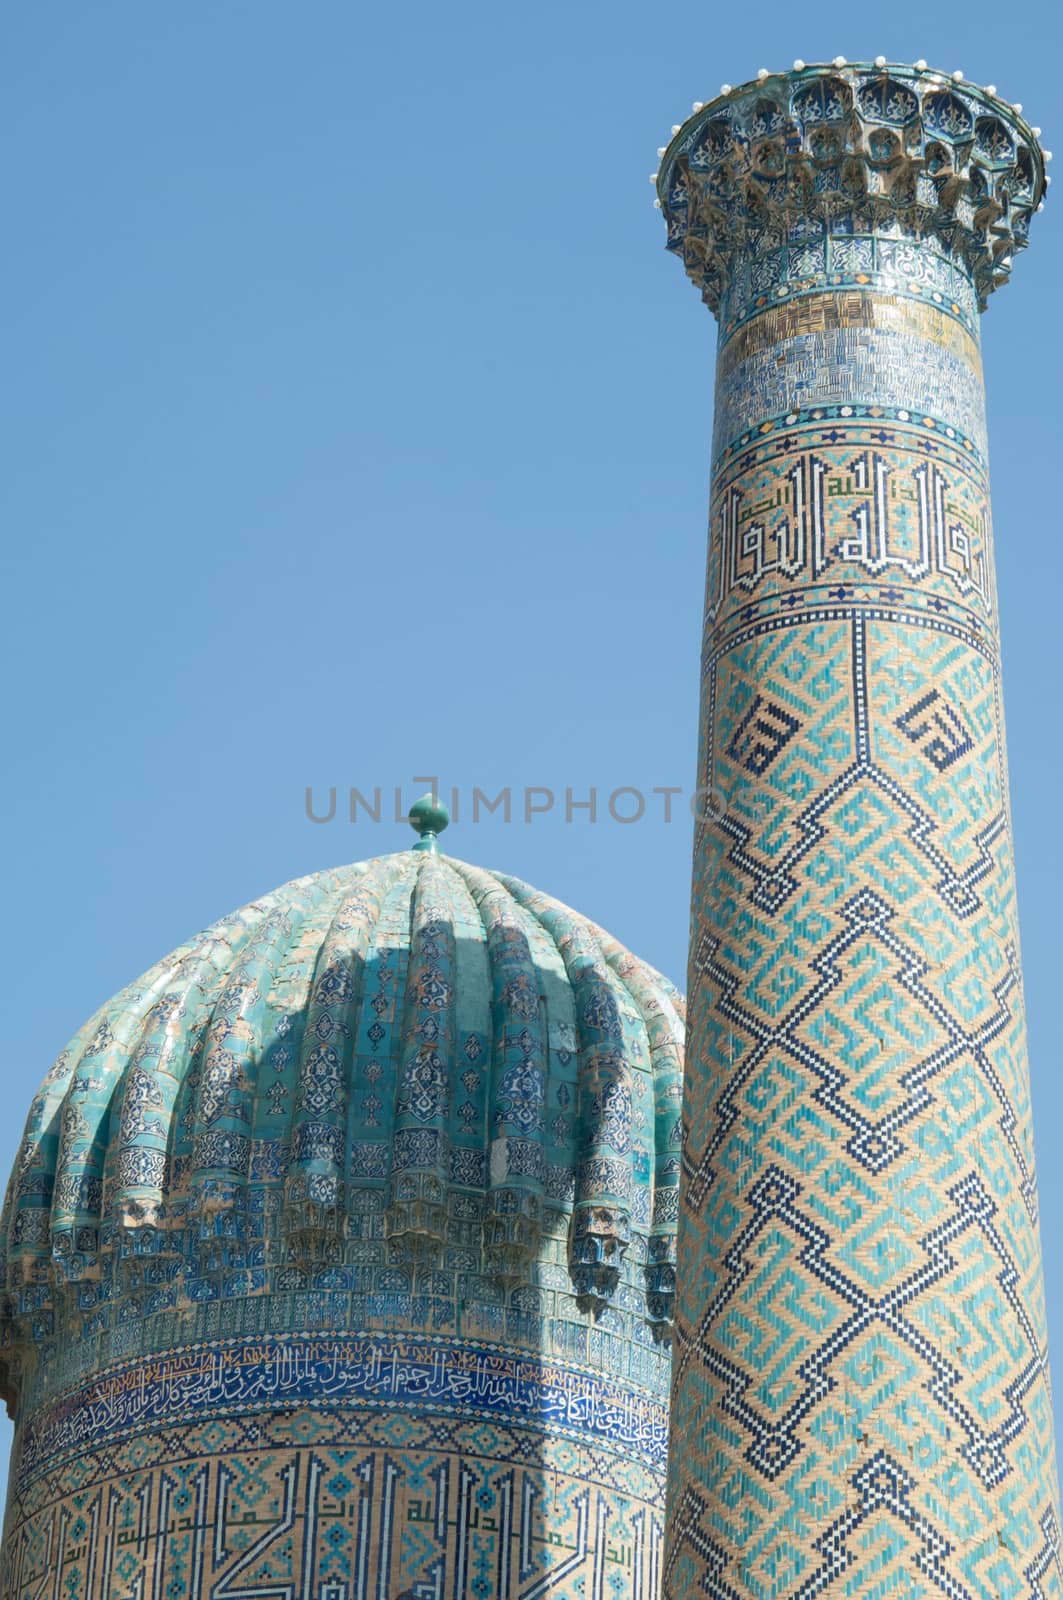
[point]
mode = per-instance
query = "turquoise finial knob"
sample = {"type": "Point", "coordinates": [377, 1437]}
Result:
{"type": "Point", "coordinates": [428, 816]}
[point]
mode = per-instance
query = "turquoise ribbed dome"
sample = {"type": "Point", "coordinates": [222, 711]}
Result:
{"type": "Point", "coordinates": [407, 1091]}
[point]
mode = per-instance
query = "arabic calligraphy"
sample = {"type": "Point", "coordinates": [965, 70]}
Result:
{"type": "Point", "coordinates": [374, 1370]}
{"type": "Point", "coordinates": [882, 513]}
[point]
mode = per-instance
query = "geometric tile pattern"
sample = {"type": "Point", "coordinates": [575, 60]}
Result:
{"type": "Point", "coordinates": [397, 1372]}
{"type": "Point", "coordinates": [338, 1505]}
{"type": "Point", "coordinates": [384, 1169]}
{"type": "Point", "coordinates": [860, 1399]}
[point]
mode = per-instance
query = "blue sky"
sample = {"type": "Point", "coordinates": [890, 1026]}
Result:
{"type": "Point", "coordinates": [356, 426]}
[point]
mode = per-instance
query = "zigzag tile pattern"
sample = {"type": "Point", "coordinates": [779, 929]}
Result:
{"type": "Point", "coordinates": [861, 1401]}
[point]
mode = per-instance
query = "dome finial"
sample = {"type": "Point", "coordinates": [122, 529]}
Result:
{"type": "Point", "coordinates": [428, 816]}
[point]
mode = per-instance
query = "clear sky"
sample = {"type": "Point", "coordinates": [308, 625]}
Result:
{"type": "Point", "coordinates": [356, 426]}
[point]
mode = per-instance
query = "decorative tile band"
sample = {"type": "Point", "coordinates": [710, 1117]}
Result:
{"type": "Point", "coordinates": [858, 309]}
{"type": "Point", "coordinates": [399, 1372]}
{"type": "Point", "coordinates": [847, 502]}
{"type": "Point", "coordinates": [853, 349]}
{"type": "Point", "coordinates": [818, 260]}
{"type": "Point", "coordinates": [827, 415]}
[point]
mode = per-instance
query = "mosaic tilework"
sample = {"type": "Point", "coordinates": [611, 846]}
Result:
{"type": "Point", "coordinates": [860, 1401]}
{"type": "Point", "coordinates": [831, 507]}
{"type": "Point", "coordinates": [401, 1137]}
{"type": "Point", "coordinates": [393, 1372]}
{"type": "Point", "coordinates": [808, 253]}
{"type": "Point", "coordinates": [854, 349]}
{"type": "Point", "coordinates": [337, 1504]}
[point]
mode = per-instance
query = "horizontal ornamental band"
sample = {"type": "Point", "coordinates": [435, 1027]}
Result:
{"type": "Point", "coordinates": [849, 308]}
{"type": "Point", "coordinates": [830, 419]}
{"type": "Point", "coordinates": [838, 262]}
{"type": "Point", "coordinates": [846, 505]}
{"type": "Point", "coordinates": [371, 1370]}
{"type": "Point", "coordinates": [856, 350]}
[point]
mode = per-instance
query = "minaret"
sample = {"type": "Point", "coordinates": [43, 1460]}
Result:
{"type": "Point", "coordinates": [860, 1403]}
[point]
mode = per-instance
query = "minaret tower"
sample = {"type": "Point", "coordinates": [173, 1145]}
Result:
{"type": "Point", "coordinates": [860, 1396]}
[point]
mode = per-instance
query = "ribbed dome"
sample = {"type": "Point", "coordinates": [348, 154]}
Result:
{"type": "Point", "coordinates": [409, 1046]}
